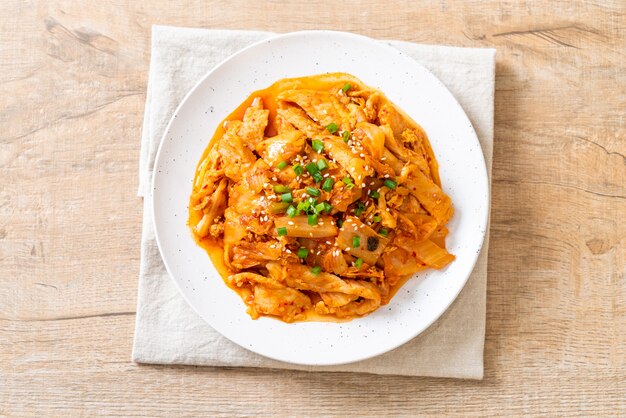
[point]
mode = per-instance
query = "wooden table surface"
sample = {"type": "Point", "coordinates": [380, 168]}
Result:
{"type": "Point", "coordinates": [72, 92]}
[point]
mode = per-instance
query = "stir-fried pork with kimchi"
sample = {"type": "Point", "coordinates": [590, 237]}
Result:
{"type": "Point", "coordinates": [321, 198]}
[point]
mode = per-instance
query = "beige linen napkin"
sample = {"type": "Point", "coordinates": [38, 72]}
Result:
{"type": "Point", "coordinates": [168, 331]}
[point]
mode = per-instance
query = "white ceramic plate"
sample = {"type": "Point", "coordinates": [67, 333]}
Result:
{"type": "Point", "coordinates": [410, 86]}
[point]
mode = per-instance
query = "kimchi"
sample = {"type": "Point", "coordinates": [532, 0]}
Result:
{"type": "Point", "coordinates": [318, 198]}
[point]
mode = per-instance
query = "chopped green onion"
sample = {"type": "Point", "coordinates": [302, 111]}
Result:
{"type": "Point", "coordinates": [323, 207]}
{"type": "Point", "coordinates": [359, 262]}
{"type": "Point", "coordinates": [316, 270]}
{"type": "Point", "coordinates": [279, 188]}
{"type": "Point", "coordinates": [390, 184]}
{"type": "Point", "coordinates": [298, 169]}
{"type": "Point", "coordinates": [322, 164]}
{"type": "Point", "coordinates": [304, 205]}
{"type": "Point", "coordinates": [356, 241]}
{"type": "Point", "coordinates": [372, 243]}
{"type": "Point", "coordinates": [328, 184]}
{"type": "Point", "coordinates": [339, 223]}
{"type": "Point", "coordinates": [312, 219]}
{"type": "Point", "coordinates": [313, 191]}
{"type": "Point", "coordinates": [291, 211]}
{"type": "Point", "coordinates": [312, 168]}
{"type": "Point", "coordinates": [286, 197]}
{"type": "Point", "coordinates": [332, 128]}
{"type": "Point", "coordinates": [360, 208]}
{"type": "Point", "coordinates": [374, 194]}
{"type": "Point", "coordinates": [281, 231]}
{"type": "Point", "coordinates": [310, 206]}
{"type": "Point", "coordinates": [317, 177]}
{"type": "Point", "coordinates": [384, 232]}
{"type": "Point", "coordinates": [317, 145]}
{"type": "Point", "coordinates": [281, 165]}
{"type": "Point", "coordinates": [347, 180]}
{"type": "Point", "coordinates": [303, 252]}
{"type": "Point", "coordinates": [377, 218]}
{"type": "Point", "coordinates": [346, 87]}
{"type": "Point", "coordinates": [346, 136]}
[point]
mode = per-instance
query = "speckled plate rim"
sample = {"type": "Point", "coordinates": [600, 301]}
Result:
{"type": "Point", "coordinates": [324, 343]}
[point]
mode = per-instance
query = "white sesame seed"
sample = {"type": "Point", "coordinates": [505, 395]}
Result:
{"type": "Point", "coordinates": [386, 176]}
{"type": "Point", "coordinates": [290, 223]}
{"type": "Point", "coordinates": [347, 248]}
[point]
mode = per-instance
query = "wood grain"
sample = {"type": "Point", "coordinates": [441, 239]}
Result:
{"type": "Point", "coordinates": [72, 90]}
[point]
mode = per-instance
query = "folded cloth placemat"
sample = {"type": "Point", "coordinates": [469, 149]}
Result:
{"type": "Point", "coordinates": [168, 331]}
